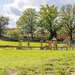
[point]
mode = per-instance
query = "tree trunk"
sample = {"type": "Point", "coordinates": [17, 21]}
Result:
{"type": "Point", "coordinates": [28, 40]}
{"type": "Point", "coordinates": [70, 33]}
{"type": "Point", "coordinates": [1, 30]}
{"type": "Point", "coordinates": [28, 43]}
{"type": "Point", "coordinates": [71, 37]}
{"type": "Point", "coordinates": [32, 37]}
{"type": "Point", "coordinates": [52, 34]}
{"type": "Point", "coordinates": [0, 33]}
{"type": "Point", "coordinates": [41, 42]}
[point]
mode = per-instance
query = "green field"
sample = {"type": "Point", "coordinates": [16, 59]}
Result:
{"type": "Point", "coordinates": [36, 58]}
{"type": "Point", "coordinates": [17, 43]}
{"type": "Point", "coordinates": [56, 60]}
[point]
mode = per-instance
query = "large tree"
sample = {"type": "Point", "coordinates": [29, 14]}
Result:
{"type": "Point", "coordinates": [27, 22]}
{"type": "Point", "coordinates": [68, 19]}
{"type": "Point", "coordinates": [3, 22]}
{"type": "Point", "coordinates": [48, 19]}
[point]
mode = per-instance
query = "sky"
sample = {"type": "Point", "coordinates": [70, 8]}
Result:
{"type": "Point", "coordinates": [14, 8]}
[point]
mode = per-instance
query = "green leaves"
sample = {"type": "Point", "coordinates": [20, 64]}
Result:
{"type": "Point", "coordinates": [3, 22]}
{"type": "Point", "coordinates": [49, 18]}
{"type": "Point", "coordinates": [68, 18]}
{"type": "Point", "coordinates": [48, 14]}
{"type": "Point", "coordinates": [28, 20]}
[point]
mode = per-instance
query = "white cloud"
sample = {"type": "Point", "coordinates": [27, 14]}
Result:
{"type": "Point", "coordinates": [10, 9]}
{"type": "Point", "coordinates": [67, 1]}
{"type": "Point", "coordinates": [23, 4]}
{"type": "Point", "coordinates": [18, 6]}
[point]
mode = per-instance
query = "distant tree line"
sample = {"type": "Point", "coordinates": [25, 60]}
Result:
{"type": "Point", "coordinates": [51, 19]}
{"type": "Point", "coordinates": [47, 23]}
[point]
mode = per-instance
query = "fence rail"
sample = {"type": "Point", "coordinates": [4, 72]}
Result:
{"type": "Point", "coordinates": [43, 47]}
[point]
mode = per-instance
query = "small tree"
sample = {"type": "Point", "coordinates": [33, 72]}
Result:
{"type": "Point", "coordinates": [68, 18]}
{"type": "Point", "coordinates": [3, 22]}
{"type": "Point", "coordinates": [27, 21]}
{"type": "Point", "coordinates": [47, 17]}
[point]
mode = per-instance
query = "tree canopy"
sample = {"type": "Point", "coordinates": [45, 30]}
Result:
{"type": "Point", "coordinates": [50, 19]}
{"type": "Point", "coordinates": [48, 15]}
{"type": "Point", "coordinates": [68, 19]}
{"type": "Point", "coordinates": [27, 22]}
{"type": "Point", "coordinates": [3, 22]}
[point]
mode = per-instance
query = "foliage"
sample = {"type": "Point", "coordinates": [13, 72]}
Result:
{"type": "Point", "coordinates": [31, 61]}
{"type": "Point", "coordinates": [68, 18]}
{"type": "Point", "coordinates": [27, 22]}
{"type": "Point", "coordinates": [3, 22]}
{"type": "Point", "coordinates": [51, 19]}
{"type": "Point", "coordinates": [12, 33]}
{"type": "Point", "coordinates": [48, 15]}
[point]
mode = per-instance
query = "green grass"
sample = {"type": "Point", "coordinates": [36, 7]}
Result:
{"type": "Point", "coordinates": [17, 43]}
{"type": "Point", "coordinates": [20, 58]}
{"type": "Point", "coordinates": [12, 58]}
{"type": "Point", "coordinates": [23, 43]}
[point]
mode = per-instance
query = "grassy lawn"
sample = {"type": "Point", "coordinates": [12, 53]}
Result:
{"type": "Point", "coordinates": [23, 43]}
{"type": "Point", "coordinates": [58, 59]}
{"type": "Point", "coordinates": [36, 58]}
{"type": "Point", "coordinates": [17, 43]}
